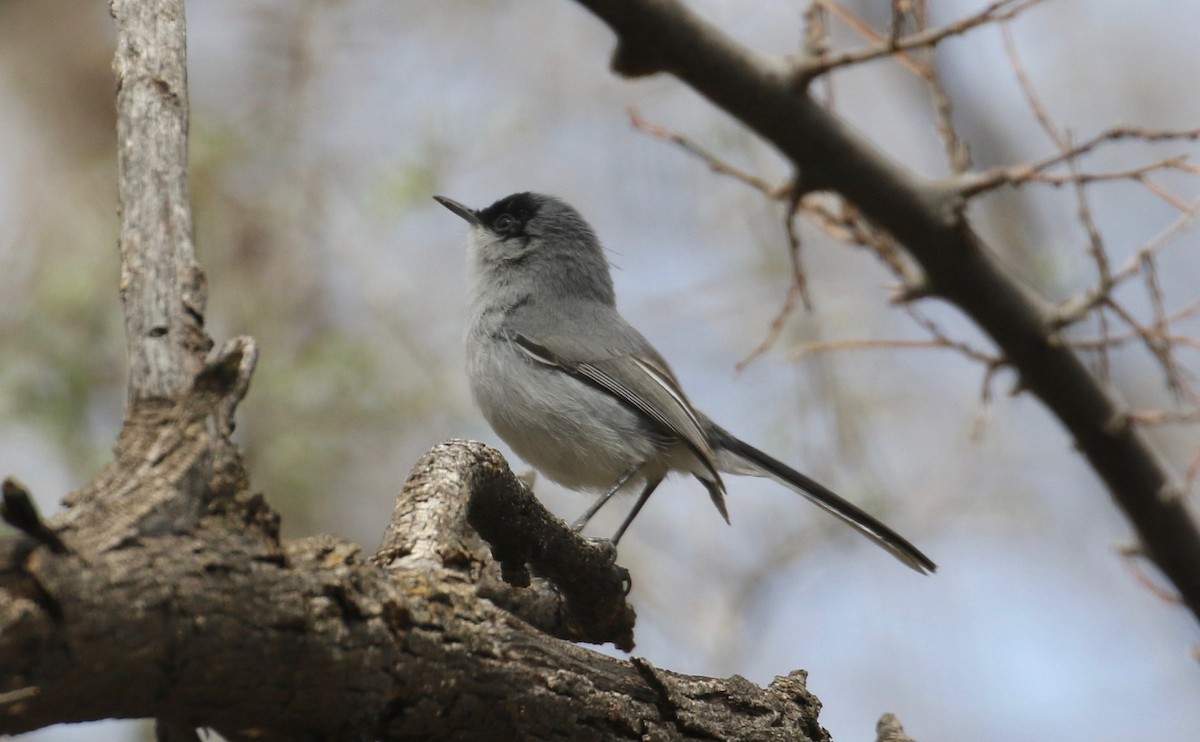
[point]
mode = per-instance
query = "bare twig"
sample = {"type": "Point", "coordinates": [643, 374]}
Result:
{"type": "Point", "coordinates": [938, 342]}
{"type": "Point", "coordinates": [972, 184]}
{"type": "Point", "coordinates": [1162, 350]}
{"type": "Point", "coordinates": [18, 695]}
{"type": "Point", "coordinates": [1133, 560]}
{"type": "Point", "coordinates": [841, 221]}
{"type": "Point", "coordinates": [716, 164]}
{"type": "Point", "coordinates": [816, 46]}
{"type": "Point", "coordinates": [1069, 154]}
{"type": "Point", "coordinates": [1079, 307]}
{"type": "Point", "coordinates": [1119, 339]}
{"type": "Point", "coordinates": [956, 150]}
{"type": "Point", "coordinates": [1155, 244]}
{"type": "Point", "coordinates": [894, 46]}
{"type": "Point", "coordinates": [798, 291]}
{"type": "Point", "coordinates": [826, 346]}
{"type": "Point", "coordinates": [799, 278]}
{"type": "Point", "coordinates": [1101, 298]}
{"type": "Point", "coordinates": [775, 329]}
{"type": "Point", "coordinates": [1165, 417]}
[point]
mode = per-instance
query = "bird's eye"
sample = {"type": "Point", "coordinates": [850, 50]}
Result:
{"type": "Point", "coordinates": [504, 223]}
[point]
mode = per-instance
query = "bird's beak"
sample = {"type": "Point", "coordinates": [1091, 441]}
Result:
{"type": "Point", "coordinates": [469, 214]}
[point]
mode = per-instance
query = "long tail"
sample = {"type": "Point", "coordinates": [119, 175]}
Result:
{"type": "Point", "coordinates": [738, 457]}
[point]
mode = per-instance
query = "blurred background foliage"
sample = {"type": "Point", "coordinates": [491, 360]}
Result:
{"type": "Point", "coordinates": [320, 129]}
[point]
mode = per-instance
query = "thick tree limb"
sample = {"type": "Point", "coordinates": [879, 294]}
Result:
{"type": "Point", "coordinates": [221, 625]}
{"type": "Point", "coordinates": [462, 491]}
{"type": "Point", "coordinates": [929, 219]}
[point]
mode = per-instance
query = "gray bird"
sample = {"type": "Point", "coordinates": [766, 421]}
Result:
{"type": "Point", "coordinates": [577, 392]}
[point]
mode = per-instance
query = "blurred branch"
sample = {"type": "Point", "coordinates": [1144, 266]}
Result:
{"type": "Point", "coordinates": [928, 219]}
{"type": "Point", "coordinates": [888, 729]}
{"type": "Point", "coordinates": [957, 152]}
{"type": "Point", "coordinates": [1165, 417]}
{"type": "Point", "coordinates": [716, 164]}
{"type": "Point", "coordinates": [894, 45]}
{"type": "Point", "coordinates": [938, 339]}
{"type": "Point", "coordinates": [1133, 560]}
{"type": "Point", "coordinates": [798, 292]}
{"type": "Point", "coordinates": [1101, 298]}
{"type": "Point", "coordinates": [975, 183]}
{"type": "Point", "coordinates": [840, 221]}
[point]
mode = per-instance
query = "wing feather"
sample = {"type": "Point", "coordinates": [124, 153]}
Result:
{"type": "Point", "coordinates": [644, 385]}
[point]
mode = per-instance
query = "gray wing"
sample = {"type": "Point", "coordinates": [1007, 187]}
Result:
{"type": "Point", "coordinates": [594, 344]}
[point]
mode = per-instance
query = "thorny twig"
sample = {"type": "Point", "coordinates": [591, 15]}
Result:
{"type": "Point", "coordinates": [1158, 345]}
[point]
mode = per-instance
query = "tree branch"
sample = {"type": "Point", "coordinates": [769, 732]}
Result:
{"type": "Point", "coordinates": [462, 491]}
{"type": "Point", "coordinates": [220, 625]}
{"type": "Point", "coordinates": [928, 218]}
{"type": "Point", "coordinates": [162, 287]}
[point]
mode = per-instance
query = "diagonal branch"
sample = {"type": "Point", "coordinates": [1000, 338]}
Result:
{"type": "Point", "coordinates": [928, 218]}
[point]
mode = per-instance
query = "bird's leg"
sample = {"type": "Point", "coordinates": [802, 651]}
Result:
{"type": "Point", "coordinates": [582, 520]}
{"type": "Point", "coordinates": [637, 508]}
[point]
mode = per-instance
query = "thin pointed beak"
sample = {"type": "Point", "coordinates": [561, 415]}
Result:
{"type": "Point", "coordinates": [457, 208]}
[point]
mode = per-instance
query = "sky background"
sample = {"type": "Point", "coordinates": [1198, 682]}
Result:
{"type": "Point", "coordinates": [321, 129]}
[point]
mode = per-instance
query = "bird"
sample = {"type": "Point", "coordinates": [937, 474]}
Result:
{"type": "Point", "coordinates": [578, 392]}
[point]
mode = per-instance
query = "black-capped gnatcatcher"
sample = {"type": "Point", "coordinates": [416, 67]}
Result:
{"type": "Point", "coordinates": [581, 395]}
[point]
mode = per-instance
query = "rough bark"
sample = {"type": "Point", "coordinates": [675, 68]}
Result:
{"type": "Point", "coordinates": [929, 218]}
{"type": "Point", "coordinates": [213, 622]}
{"type": "Point", "coordinates": [163, 289]}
